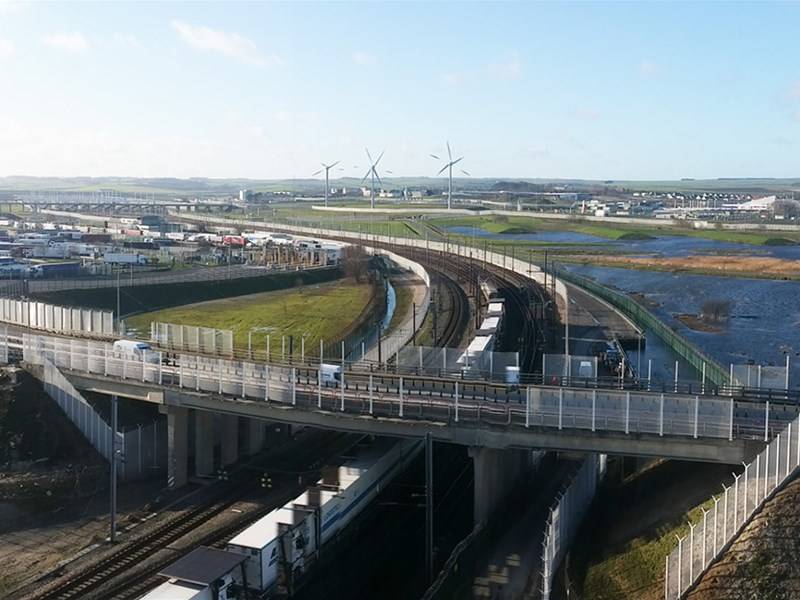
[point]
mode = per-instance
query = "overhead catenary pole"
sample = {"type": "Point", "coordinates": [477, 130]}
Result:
{"type": "Point", "coordinates": [429, 506]}
{"type": "Point", "coordinates": [114, 426]}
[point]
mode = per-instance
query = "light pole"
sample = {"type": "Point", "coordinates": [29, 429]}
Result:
{"type": "Point", "coordinates": [250, 339]}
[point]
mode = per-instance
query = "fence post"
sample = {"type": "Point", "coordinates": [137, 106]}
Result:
{"type": "Point", "coordinates": [666, 577]}
{"type": "Point", "coordinates": [341, 391]}
{"type": "Point", "coordinates": [730, 429]}
{"type": "Point", "coordinates": [725, 514]}
{"type": "Point", "coordinates": [527, 407]}
{"type": "Point", "coordinates": [716, 511]}
{"type": "Point", "coordinates": [594, 407]}
{"type": "Point", "coordinates": [735, 502]}
{"type": "Point", "coordinates": [294, 386]}
{"type": "Point", "coordinates": [456, 397]}
{"type": "Point", "coordinates": [401, 396]}
{"type": "Point", "coordinates": [560, 407]}
{"type": "Point", "coordinates": [680, 566]}
{"type": "Point", "coordinates": [777, 459]}
{"type": "Point", "coordinates": [370, 394]}
{"type": "Point", "coordinates": [319, 386]}
{"type": "Point", "coordinates": [266, 387]}
{"type": "Point", "coordinates": [627, 411]}
{"type": "Point", "coordinates": [160, 366]}
{"type": "Point", "coordinates": [766, 421]}
{"type": "Point", "coordinates": [788, 447]}
{"type": "Point", "coordinates": [661, 416]}
{"type": "Point", "coordinates": [766, 473]}
{"type": "Point", "coordinates": [696, 414]}
{"type": "Point", "coordinates": [744, 508]}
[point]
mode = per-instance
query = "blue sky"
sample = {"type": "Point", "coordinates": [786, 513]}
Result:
{"type": "Point", "coordinates": [579, 90]}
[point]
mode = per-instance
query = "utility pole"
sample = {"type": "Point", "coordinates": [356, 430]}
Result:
{"type": "Point", "coordinates": [114, 451]}
{"type": "Point", "coordinates": [429, 506]}
{"type": "Point", "coordinates": [119, 321]}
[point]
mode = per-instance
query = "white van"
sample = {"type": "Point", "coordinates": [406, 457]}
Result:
{"type": "Point", "coordinates": [331, 373]}
{"type": "Point", "coordinates": [135, 350]}
{"type": "Point", "coordinates": [512, 376]}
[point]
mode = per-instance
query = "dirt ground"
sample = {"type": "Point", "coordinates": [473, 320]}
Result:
{"type": "Point", "coordinates": [752, 266]}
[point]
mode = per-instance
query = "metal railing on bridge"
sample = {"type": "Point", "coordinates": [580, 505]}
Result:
{"type": "Point", "coordinates": [417, 398]}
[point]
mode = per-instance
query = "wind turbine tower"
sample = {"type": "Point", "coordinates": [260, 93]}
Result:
{"type": "Point", "coordinates": [326, 168]}
{"type": "Point", "coordinates": [449, 168]}
{"type": "Point", "coordinates": [372, 173]}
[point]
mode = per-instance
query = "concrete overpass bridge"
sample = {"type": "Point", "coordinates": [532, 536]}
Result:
{"type": "Point", "coordinates": [480, 414]}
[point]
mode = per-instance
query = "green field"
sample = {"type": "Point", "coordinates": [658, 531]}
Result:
{"type": "Point", "coordinates": [324, 312]}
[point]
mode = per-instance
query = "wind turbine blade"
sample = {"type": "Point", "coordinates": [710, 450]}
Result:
{"type": "Point", "coordinates": [465, 173]}
{"type": "Point", "coordinates": [444, 168]}
{"type": "Point", "coordinates": [436, 157]}
{"type": "Point", "coordinates": [316, 173]}
{"type": "Point", "coordinates": [334, 164]}
{"type": "Point", "coordinates": [457, 160]}
{"type": "Point", "coordinates": [379, 158]}
{"type": "Point", "coordinates": [369, 156]}
{"type": "Point", "coordinates": [390, 172]}
{"type": "Point", "coordinates": [450, 154]}
{"type": "Point", "coordinates": [363, 179]}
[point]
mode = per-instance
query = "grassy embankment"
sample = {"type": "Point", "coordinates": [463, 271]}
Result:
{"type": "Point", "coordinates": [620, 550]}
{"type": "Point", "coordinates": [324, 312]}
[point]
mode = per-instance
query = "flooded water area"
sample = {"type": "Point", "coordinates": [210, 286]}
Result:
{"type": "Point", "coordinates": [764, 322]}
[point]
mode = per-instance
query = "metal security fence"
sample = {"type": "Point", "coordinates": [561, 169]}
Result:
{"type": "Point", "coordinates": [564, 519]}
{"type": "Point", "coordinates": [191, 338]}
{"type": "Point", "coordinates": [732, 510]}
{"type": "Point", "coordinates": [64, 319]}
{"type": "Point", "coordinates": [428, 360]}
{"type": "Point", "coordinates": [569, 366]}
{"type": "Point", "coordinates": [760, 376]}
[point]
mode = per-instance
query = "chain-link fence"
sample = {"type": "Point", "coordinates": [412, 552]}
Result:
{"type": "Point", "coordinates": [732, 510]}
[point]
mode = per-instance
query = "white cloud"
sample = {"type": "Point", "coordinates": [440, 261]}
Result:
{"type": "Point", "coordinates": [7, 48]}
{"type": "Point", "coordinates": [127, 39]}
{"type": "Point", "coordinates": [588, 113]}
{"type": "Point", "coordinates": [12, 7]}
{"type": "Point", "coordinates": [69, 42]}
{"type": "Point", "coordinates": [452, 78]}
{"type": "Point", "coordinates": [511, 68]}
{"type": "Point", "coordinates": [227, 43]}
{"type": "Point", "coordinates": [648, 68]}
{"type": "Point", "coordinates": [364, 58]}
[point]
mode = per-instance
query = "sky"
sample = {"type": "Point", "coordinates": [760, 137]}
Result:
{"type": "Point", "coordinates": [268, 90]}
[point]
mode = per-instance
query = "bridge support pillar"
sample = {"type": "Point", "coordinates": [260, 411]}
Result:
{"type": "Point", "coordinates": [496, 473]}
{"type": "Point", "coordinates": [177, 446]}
{"type": "Point", "coordinates": [256, 433]}
{"type": "Point", "coordinates": [229, 440]}
{"type": "Point", "coordinates": [203, 443]}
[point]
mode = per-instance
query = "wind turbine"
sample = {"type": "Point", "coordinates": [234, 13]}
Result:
{"type": "Point", "coordinates": [372, 173]}
{"type": "Point", "coordinates": [449, 167]}
{"type": "Point", "coordinates": [326, 168]}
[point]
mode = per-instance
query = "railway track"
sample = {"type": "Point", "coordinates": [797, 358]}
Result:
{"type": "Point", "coordinates": [115, 572]}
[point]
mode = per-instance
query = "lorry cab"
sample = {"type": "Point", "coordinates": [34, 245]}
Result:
{"type": "Point", "coordinates": [331, 373]}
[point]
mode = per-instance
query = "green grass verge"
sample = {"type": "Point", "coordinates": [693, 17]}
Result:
{"type": "Point", "coordinates": [322, 312]}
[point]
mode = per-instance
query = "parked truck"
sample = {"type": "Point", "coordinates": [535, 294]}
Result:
{"type": "Point", "coordinates": [55, 269]}
{"type": "Point", "coordinates": [125, 259]}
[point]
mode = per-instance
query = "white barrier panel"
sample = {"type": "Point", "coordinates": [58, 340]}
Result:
{"type": "Point", "coordinates": [39, 315]}
{"type": "Point", "coordinates": [190, 338]}
{"type": "Point", "coordinates": [565, 518]}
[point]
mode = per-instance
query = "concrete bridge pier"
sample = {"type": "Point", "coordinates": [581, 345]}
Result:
{"type": "Point", "coordinates": [256, 434]}
{"type": "Point", "coordinates": [229, 439]}
{"type": "Point", "coordinates": [496, 474]}
{"type": "Point", "coordinates": [203, 443]}
{"type": "Point", "coordinates": [177, 445]}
